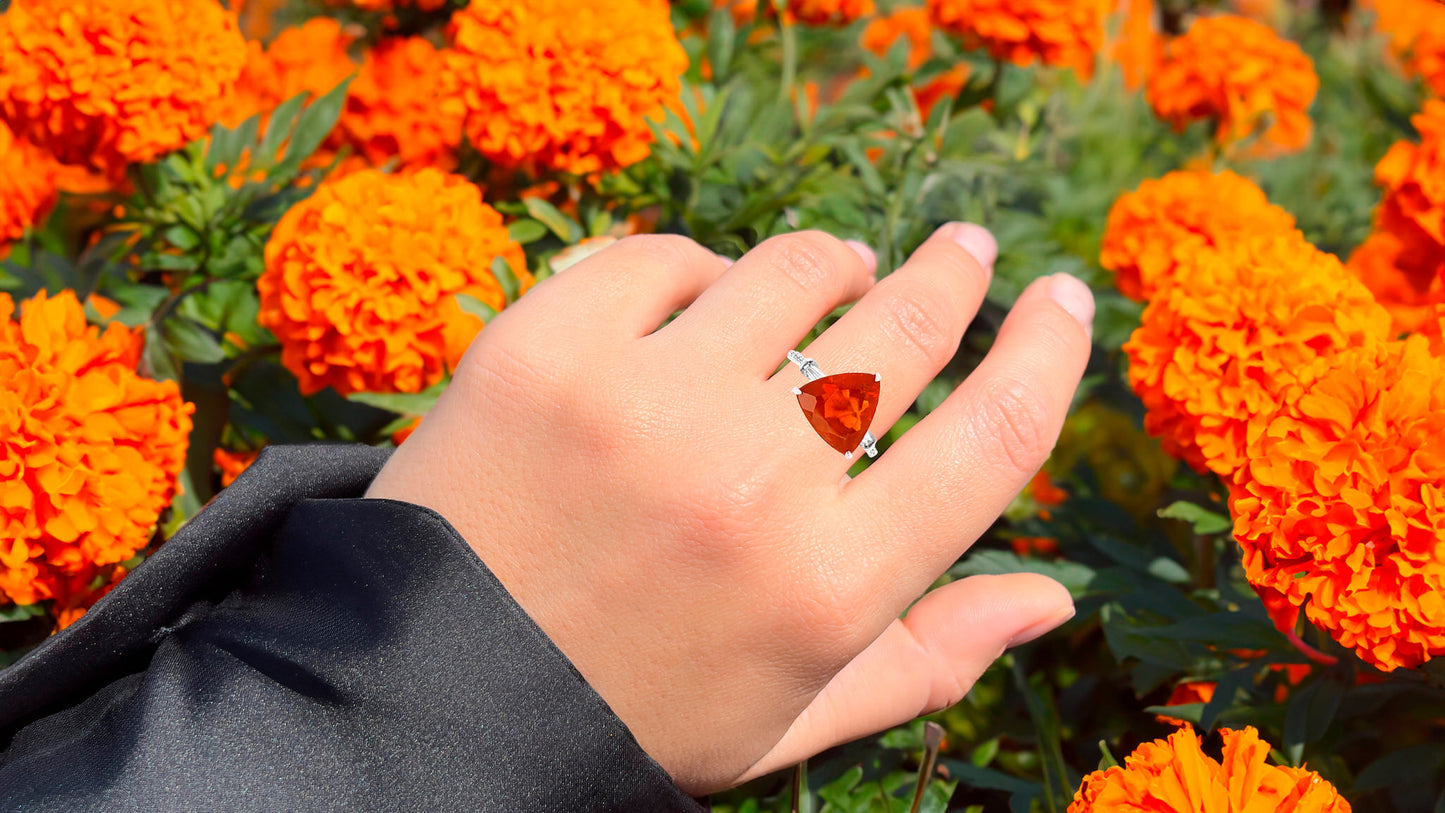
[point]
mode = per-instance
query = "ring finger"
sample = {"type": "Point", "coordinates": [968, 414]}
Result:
{"type": "Point", "coordinates": [907, 327]}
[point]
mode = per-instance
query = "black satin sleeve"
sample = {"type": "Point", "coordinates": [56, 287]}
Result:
{"type": "Point", "coordinates": [296, 647]}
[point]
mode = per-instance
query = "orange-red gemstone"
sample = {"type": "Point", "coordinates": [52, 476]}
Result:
{"type": "Point", "coordinates": [840, 407]}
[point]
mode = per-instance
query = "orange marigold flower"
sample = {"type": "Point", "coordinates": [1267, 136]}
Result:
{"type": "Point", "coordinates": [1036, 546]}
{"type": "Point", "coordinates": [361, 279]}
{"type": "Point", "coordinates": [829, 12]}
{"type": "Point", "coordinates": [1404, 20]}
{"type": "Point", "coordinates": [1241, 74]}
{"type": "Point", "coordinates": [108, 82]}
{"type": "Point", "coordinates": [1067, 33]}
{"type": "Point", "coordinates": [914, 25]}
{"type": "Point", "coordinates": [1413, 206]}
{"type": "Point", "coordinates": [743, 11]}
{"type": "Point", "coordinates": [28, 187]}
{"type": "Point", "coordinates": [1428, 54]}
{"type": "Point", "coordinates": [1139, 47]}
{"type": "Point", "coordinates": [809, 12]}
{"type": "Point", "coordinates": [1341, 507]}
{"type": "Point", "coordinates": [232, 463]}
{"type": "Point", "coordinates": [559, 84]}
{"type": "Point", "coordinates": [393, 108]}
{"type": "Point", "coordinates": [1417, 35]}
{"type": "Point", "coordinates": [1409, 296]}
{"type": "Point", "coordinates": [1214, 353]}
{"type": "Point", "coordinates": [1164, 223]}
{"type": "Point", "coordinates": [399, 436]}
{"type": "Point", "coordinates": [89, 450]}
{"type": "Point", "coordinates": [309, 58]}
{"type": "Point", "coordinates": [81, 598]}
{"type": "Point", "coordinates": [1044, 491]}
{"type": "Point", "coordinates": [1174, 775]}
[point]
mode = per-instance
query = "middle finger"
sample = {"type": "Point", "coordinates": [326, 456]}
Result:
{"type": "Point", "coordinates": [770, 299]}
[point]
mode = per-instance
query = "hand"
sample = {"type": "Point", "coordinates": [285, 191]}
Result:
{"type": "Point", "coordinates": [657, 502]}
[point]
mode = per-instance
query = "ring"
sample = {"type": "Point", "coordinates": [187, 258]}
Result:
{"type": "Point", "coordinates": [840, 407]}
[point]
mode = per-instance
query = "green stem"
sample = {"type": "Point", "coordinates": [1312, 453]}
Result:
{"type": "Point", "coordinates": [932, 742]}
{"type": "Point", "coordinates": [169, 305]}
{"type": "Point", "coordinates": [244, 361]}
{"type": "Point", "coordinates": [789, 35]}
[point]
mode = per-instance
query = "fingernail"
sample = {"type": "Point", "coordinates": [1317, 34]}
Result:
{"type": "Point", "coordinates": [865, 251]}
{"type": "Point", "coordinates": [726, 260]}
{"type": "Point", "coordinates": [1029, 633]}
{"type": "Point", "coordinates": [976, 240]}
{"type": "Point", "coordinates": [1075, 297]}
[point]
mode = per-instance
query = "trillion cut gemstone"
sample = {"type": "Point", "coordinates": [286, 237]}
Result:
{"type": "Point", "coordinates": [840, 407]}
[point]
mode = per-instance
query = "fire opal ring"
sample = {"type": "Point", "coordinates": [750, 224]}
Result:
{"type": "Point", "coordinates": [840, 407]}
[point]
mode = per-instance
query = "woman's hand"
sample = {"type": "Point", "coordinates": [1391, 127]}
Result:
{"type": "Point", "coordinates": [658, 503]}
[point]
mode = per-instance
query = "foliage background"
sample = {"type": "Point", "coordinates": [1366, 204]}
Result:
{"type": "Point", "coordinates": [780, 132]}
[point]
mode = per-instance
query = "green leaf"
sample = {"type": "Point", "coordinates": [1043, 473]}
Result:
{"type": "Point", "coordinates": [227, 144]}
{"type": "Point", "coordinates": [985, 752]}
{"type": "Point", "coordinates": [51, 272]}
{"type": "Point", "coordinates": [526, 231]}
{"type": "Point", "coordinates": [1418, 763]}
{"type": "Point", "coordinates": [1224, 693]}
{"type": "Point", "coordinates": [839, 791]}
{"type": "Point", "coordinates": [138, 303]}
{"type": "Point", "coordinates": [172, 262]}
{"type": "Point", "coordinates": [1224, 630]}
{"type": "Point", "coordinates": [1310, 713]}
{"type": "Point", "coordinates": [415, 404]}
{"type": "Point", "coordinates": [721, 40]}
{"type": "Point", "coordinates": [283, 118]}
{"type": "Point", "coordinates": [191, 342]}
{"type": "Point", "coordinates": [937, 796]}
{"type": "Point", "coordinates": [157, 360]}
{"type": "Point", "coordinates": [1076, 577]}
{"type": "Point", "coordinates": [182, 238]}
{"type": "Point", "coordinates": [185, 504]}
{"type": "Point", "coordinates": [1205, 522]}
{"type": "Point", "coordinates": [503, 272]}
{"type": "Point", "coordinates": [21, 612]}
{"type": "Point", "coordinates": [315, 124]}
{"type": "Point", "coordinates": [476, 307]}
{"type": "Point", "coordinates": [1184, 711]}
{"type": "Point", "coordinates": [1129, 639]}
{"type": "Point", "coordinates": [569, 230]}
{"type": "Point", "coordinates": [707, 125]}
{"type": "Point", "coordinates": [1168, 570]}
{"type": "Point", "coordinates": [988, 779]}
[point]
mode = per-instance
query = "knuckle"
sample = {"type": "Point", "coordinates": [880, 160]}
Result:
{"type": "Point", "coordinates": [659, 251]}
{"type": "Point", "coordinates": [725, 502]}
{"type": "Point", "coordinates": [810, 260]}
{"type": "Point", "coordinates": [498, 359]}
{"type": "Point", "coordinates": [921, 321]}
{"type": "Point", "coordinates": [1015, 422]}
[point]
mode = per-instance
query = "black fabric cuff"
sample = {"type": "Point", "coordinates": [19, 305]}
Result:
{"type": "Point", "coordinates": [296, 646]}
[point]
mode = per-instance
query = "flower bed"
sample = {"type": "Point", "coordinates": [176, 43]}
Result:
{"type": "Point", "coordinates": [228, 227]}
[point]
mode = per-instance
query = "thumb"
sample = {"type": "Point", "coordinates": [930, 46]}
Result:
{"type": "Point", "coordinates": [925, 662]}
